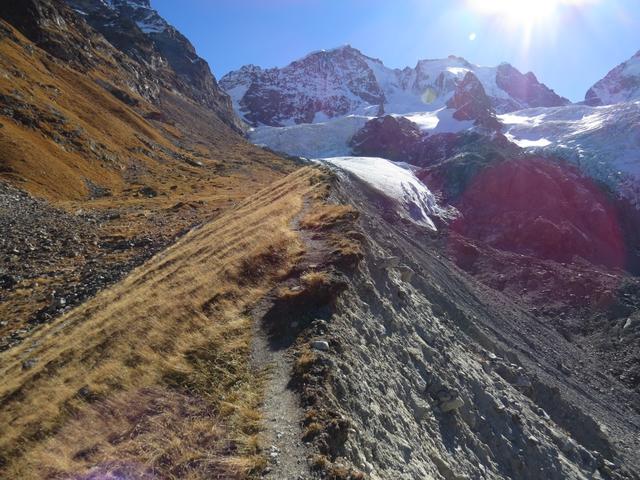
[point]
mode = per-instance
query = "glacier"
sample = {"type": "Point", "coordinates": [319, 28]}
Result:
{"type": "Point", "coordinates": [412, 199]}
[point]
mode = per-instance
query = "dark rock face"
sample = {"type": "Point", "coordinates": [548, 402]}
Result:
{"type": "Point", "coordinates": [153, 54]}
{"type": "Point", "coordinates": [395, 138]}
{"type": "Point", "coordinates": [134, 28]}
{"type": "Point", "coordinates": [53, 27]}
{"type": "Point", "coordinates": [344, 81]}
{"type": "Point", "coordinates": [471, 103]}
{"type": "Point", "coordinates": [526, 88]}
{"type": "Point", "coordinates": [543, 208]}
{"type": "Point", "coordinates": [330, 83]}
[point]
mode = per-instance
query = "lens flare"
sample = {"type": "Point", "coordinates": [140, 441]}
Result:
{"type": "Point", "coordinates": [429, 96]}
{"type": "Point", "coordinates": [526, 18]}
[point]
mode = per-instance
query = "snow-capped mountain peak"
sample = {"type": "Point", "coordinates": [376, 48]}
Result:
{"type": "Point", "coordinates": [622, 84]}
{"type": "Point", "coordinates": [343, 81]}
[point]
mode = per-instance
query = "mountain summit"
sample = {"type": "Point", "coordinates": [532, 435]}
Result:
{"type": "Point", "coordinates": [622, 84]}
{"type": "Point", "coordinates": [344, 81]}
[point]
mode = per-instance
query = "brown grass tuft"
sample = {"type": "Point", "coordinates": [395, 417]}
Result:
{"type": "Point", "coordinates": [329, 216]}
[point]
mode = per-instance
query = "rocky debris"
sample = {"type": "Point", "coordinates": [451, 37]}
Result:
{"type": "Point", "coordinates": [406, 273]}
{"type": "Point", "coordinates": [449, 400]}
{"type": "Point", "coordinates": [61, 259]}
{"type": "Point", "coordinates": [465, 370]}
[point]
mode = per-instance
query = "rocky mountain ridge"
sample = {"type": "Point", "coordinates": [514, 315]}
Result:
{"type": "Point", "coordinates": [622, 84]}
{"type": "Point", "coordinates": [139, 31]}
{"type": "Point", "coordinates": [343, 81]}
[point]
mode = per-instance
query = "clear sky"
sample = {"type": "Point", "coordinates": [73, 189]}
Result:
{"type": "Point", "coordinates": [568, 44]}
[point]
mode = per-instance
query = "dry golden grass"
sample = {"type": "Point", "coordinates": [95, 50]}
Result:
{"type": "Point", "coordinates": [153, 375]}
{"type": "Point", "coordinates": [76, 120]}
{"type": "Point", "coordinates": [329, 216]}
{"type": "Point", "coordinates": [54, 143]}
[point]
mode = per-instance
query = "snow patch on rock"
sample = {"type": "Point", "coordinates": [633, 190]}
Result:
{"type": "Point", "coordinates": [412, 198]}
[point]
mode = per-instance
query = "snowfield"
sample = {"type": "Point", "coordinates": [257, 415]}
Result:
{"type": "Point", "coordinates": [438, 121]}
{"type": "Point", "coordinates": [331, 138]}
{"type": "Point", "coordinates": [413, 200]}
{"type": "Point", "coordinates": [311, 140]}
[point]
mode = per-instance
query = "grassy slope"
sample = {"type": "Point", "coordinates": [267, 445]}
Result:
{"type": "Point", "coordinates": [75, 130]}
{"type": "Point", "coordinates": [61, 131]}
{"type": "Point", "coordinates": [152, 375]}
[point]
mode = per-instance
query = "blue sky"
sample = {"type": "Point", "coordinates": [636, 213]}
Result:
{"type": "Point", "coordinates": [569, 46]}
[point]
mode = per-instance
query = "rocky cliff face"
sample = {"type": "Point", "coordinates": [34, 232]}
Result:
{"type": "Point", "coordinates": [343, 81]}
{"type": "Point", "coordinates": [155, 54]}
{"type": "Point", "coordinates": [136, 29]}
{"type": "Point", "coordinates": [525, 89]}
{"type": "Point", "coordinates": [622, 84]}
{"type": "Point", "coordinates": [470, 102]}
{"type": "Point", "coordinates": [320, 85]}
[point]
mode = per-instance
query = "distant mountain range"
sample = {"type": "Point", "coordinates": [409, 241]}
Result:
{"type": "Point", "coordinates": [344, 81]}
{"type": "Point", "coordinates": [320, 105]}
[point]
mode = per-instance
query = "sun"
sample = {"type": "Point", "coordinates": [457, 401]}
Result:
{"type": "Point", "coordinates": [522, 13]}
{"type": "Point", "coordinates": [526, 21]}
{"type": "Point", "coordinates": [517, 12]}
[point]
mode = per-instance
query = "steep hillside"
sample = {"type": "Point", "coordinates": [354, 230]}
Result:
{"type": "Point", "coordinates": [105, 158]}
{"type": "Point", "coordinates": [429, 374]}
{"type": "Point", "coordinates": [152, 377]}
{"type": "Point", "coordinates": [343, 81]}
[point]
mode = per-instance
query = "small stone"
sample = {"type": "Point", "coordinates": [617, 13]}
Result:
{"type": "Point", "coordinates": [451, 405]}
{"type": "Point", "coordinates": [533, 440]}
{"type": "Point", "coordinates": [389, 262]}
{"type": "Point", "coordinates": [420, 408]}
{"type": "Point", "coordinates": [406, 274]}
{"type": "Point", "coordinates": [321, 345]}
{"type": "Point", "coordinates": [28, 364]}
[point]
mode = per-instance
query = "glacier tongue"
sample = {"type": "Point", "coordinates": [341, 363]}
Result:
{"type": "Point", "coordinates": [413, 200]}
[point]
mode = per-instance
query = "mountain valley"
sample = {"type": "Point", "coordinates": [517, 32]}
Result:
{"type": "Point", "coordinates": [332, 269]}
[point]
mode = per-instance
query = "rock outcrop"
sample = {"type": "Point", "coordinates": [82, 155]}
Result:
{"type": "Point", "coordinates": [470, 102]}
